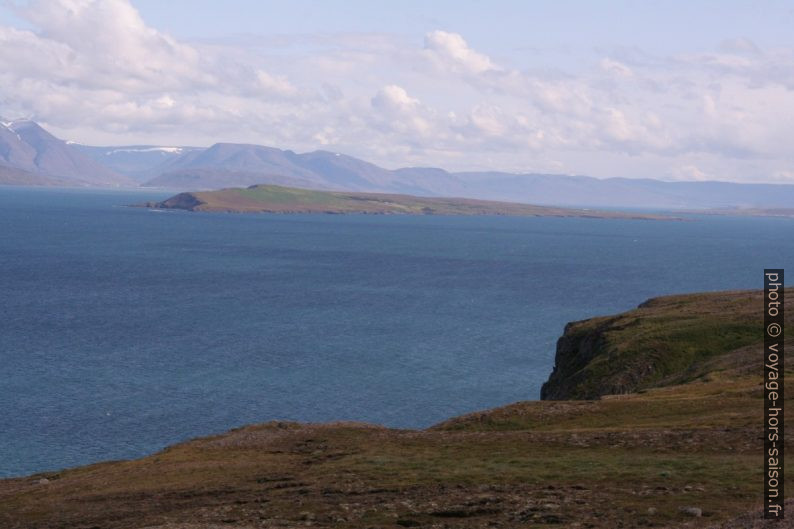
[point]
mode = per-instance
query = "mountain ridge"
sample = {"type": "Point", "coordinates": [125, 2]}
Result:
{"type": "Point", "coordinates": [46, 160]}
{"type": "Point", "coordinates": [26, 146]}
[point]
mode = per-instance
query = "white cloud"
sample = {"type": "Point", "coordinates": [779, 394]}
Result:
{"type": "Point", "coordinates": [101, 43]}
{"type": "Point", "coordinates": [451, 52]}
{"type": "Point", "coordinates": [690, 173]}
{"type": "Point", "coordinates": [395, 110]}
{"type": "Point", "coordinates": [96, 62]}
{"type": "Point", "coordinates": [276, 84]}
{"type": "Point", "coordinates": [394, 99]}
{"type": "Point", "coordinates": [615, 67]}
{"type": "Point", "coordinates": [94, 71]}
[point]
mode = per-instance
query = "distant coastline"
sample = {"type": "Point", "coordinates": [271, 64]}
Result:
{"type": "Point", "coordinates": [279, 199]}
{"type": "Point", "coordinates": [746, 212]}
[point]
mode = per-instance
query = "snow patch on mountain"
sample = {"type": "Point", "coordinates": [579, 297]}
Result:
{"type": "Point", "coordinates": [169, 150]}
{"type": "Point", "coordinates": [8, 125]}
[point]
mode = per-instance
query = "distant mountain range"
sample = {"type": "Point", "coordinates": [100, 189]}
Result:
{"type": "Point", "coordinates": [29, 155]}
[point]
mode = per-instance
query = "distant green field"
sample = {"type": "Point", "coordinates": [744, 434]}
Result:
{"type": "Point", "coordinates": [287, 195]}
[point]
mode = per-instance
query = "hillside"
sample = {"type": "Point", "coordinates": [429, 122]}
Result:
{"type": "Point", "coordinates": [139, 162]}
{"type": "Point", "coordinates": [670, 340]}
{"type": "Point", "coordinates": [20, 177]}
{"type": "Point", "coordinates": [681, 452]}
{"type": "Point", "coordinates": [232, 164]}
{"type": "Point", "coordinates": [36, 157]}
{"type": "Point", "coordinates": [278, 199]}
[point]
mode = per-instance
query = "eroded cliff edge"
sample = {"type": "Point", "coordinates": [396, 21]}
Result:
{"type": "Point", "coordinates": [665, 341]}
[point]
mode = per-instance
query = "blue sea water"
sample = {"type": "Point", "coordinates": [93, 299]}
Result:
{"type": "Point", "coordinates": [123, 330]}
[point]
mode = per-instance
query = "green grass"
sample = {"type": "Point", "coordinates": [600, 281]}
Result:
{"type": "Point", "coordinates": [670, 340]}
{"type": "Point", "coordinates": [286, 195]}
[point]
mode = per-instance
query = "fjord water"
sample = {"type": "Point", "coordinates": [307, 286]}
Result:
{"type": "Point", "coordinates": [123, 330]}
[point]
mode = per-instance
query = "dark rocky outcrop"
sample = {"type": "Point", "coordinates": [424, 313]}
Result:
{"type": "Point", "coordinates": [665, 341]}
{"type": "Point", "coordinates": [187, 201]}
{"type": "Point", "coordinates": [576, 348]}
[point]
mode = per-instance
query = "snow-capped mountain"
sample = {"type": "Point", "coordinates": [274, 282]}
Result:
{"type": "Point", "coordinates": [139, 162]}
{"type": "Point", "coordinates": [29, 155]}
{"type": "Point", "coordinates": [27, 147]}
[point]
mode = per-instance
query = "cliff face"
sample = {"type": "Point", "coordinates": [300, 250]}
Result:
{"type": "Point", "coordinates": [187, 201]}
{"type": "Point", "coordinates": [579, 345]}
{"type": "Point", "coordinates": [664, 341]}
{"type": "Point", "coordinates": [588, 365]}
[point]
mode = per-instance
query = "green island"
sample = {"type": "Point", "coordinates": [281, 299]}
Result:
{"type": "Point", "coordinates": [651, 418]}
{"type": "Point", "coordinates": [279, 199]}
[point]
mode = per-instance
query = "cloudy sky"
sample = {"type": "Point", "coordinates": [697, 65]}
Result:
{"type": "Point", "coordinates": [681, 90]}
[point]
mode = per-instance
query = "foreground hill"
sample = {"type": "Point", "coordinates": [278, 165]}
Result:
{"type": "Point", "coordinates": [683, 451]}
{"type": "Point", "coordinates": [278, 199]}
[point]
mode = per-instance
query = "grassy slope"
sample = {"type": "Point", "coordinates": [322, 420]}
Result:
{"type": "Point", "coordinates": [278, 199]}
{"type": "Point", "coordinates": [600, 463]}
{"type": "Point", "coordinates": [18, 177]}
{"type": "Point", "coordinates": [667, 340]}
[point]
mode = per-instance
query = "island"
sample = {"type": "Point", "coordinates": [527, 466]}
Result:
{"type": "Point", "coordinates": [651, 418]}
{"type": "Point", "coordinates": [280, 199]}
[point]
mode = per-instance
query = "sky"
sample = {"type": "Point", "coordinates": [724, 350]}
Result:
{"type": "Point", "coordinates": [674, 90]}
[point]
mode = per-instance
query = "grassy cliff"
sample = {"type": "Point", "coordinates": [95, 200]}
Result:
{"type": "Point", "coordinates": [677, 447]}
{"type": "Point", "coordinates": [665, 341]}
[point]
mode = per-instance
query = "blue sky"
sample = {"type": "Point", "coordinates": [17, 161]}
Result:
{"type": "Point", "coordinates": [671, 90]}
{"type": "Point", "coordinates": [496, 27]}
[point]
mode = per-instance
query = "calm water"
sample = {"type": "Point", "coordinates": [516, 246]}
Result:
{"type": "Point", "coordinates": [124, 330]}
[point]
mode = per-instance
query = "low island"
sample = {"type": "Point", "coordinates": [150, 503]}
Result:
{"type": "Point", "coordinates": [279, 199]}
{"type": "Point", "coordinates": [651, 418]}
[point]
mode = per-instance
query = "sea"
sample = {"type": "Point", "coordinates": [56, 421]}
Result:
{"type": "Point", "coordinates": [124, 330]}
